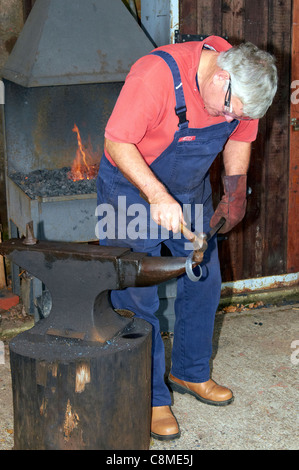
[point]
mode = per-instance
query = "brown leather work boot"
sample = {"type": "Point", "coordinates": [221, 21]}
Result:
{"type": "Point", "coordinates": [164, 425]}
{"type": "Point", "coordinates": [207, 392]}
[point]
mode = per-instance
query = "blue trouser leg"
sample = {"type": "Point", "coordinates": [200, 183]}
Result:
{"type": "Point", "coordinates": [195, 308]}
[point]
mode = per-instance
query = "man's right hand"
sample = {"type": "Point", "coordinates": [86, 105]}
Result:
{"type": "Point", "coordinates": [166, 211]}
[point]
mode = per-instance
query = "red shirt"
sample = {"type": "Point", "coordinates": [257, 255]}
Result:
{"type": "Point", "coordinates": [144, 112]}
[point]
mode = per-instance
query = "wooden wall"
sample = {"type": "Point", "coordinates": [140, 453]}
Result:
{"type": "Point", "coordinates": [258, 247]}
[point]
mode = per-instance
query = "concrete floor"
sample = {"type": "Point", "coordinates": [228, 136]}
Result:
{"type": "Point", "coordinates": [256, 354]}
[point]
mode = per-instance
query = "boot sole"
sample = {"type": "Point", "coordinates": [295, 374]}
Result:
{"type": "Point", "coordinates": [182, 390]}
{"type": "Point", "coordinates": [161, 437]}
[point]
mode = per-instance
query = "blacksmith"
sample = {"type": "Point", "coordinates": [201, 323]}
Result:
{"type": "Point", "coordinates": [179, 108]}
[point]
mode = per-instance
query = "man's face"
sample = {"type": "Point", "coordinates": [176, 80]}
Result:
{"type": "Point", "coordinates": [214, 97]}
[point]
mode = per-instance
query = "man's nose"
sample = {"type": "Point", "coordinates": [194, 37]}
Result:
{"type": "Point", "coordinates": [228, 118]}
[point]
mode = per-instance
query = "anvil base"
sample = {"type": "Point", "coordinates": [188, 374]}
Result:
{"type": "Point", "coordinates": [76, 395]}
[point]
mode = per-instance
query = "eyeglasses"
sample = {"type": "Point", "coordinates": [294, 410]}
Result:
{"type": "Point", "coordinates": [228, 108]}
{"type": "Point", "coordinates": [227, 100]}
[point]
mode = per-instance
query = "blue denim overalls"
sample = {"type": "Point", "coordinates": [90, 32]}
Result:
{"type": "Point", "coordinates": [183, 168]}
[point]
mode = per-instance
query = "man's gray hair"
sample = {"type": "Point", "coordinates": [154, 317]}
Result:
{"type": "Point", "coordinates": [253, 77]}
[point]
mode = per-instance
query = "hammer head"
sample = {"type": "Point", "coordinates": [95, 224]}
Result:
{"type": "Point", "coordinates": [200, 241]}
{"type": "Point", "coordinates": [200, 245]}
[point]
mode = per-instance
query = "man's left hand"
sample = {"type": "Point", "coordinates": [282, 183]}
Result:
{"type": "Point", "coordinates": [233, 203]}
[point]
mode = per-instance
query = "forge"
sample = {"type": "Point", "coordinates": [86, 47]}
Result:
{"type": "Point", "coordinates": [61, 82]}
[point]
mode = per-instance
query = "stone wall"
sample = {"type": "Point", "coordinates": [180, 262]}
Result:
{"type": "Point", "coordinates": [11, 23]}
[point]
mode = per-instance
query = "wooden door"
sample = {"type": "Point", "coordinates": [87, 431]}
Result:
{"type": "Point", "coordinates": [293, 216]}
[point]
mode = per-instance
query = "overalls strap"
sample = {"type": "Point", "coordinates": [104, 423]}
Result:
{"type": "Point", "coordinates": [180, 108]}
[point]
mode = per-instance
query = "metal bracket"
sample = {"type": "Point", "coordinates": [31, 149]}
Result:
{"type": "Point", "coordinates": [178, 37]}
{"type": "Point", "coordinates": [295, 124]}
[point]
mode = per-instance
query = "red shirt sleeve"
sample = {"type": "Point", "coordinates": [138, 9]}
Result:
{"type": "Point", "coordinates": [246, 131]}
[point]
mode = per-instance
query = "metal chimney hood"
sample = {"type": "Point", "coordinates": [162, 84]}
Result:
{"type": "Point", "coordinates": [67, 42]}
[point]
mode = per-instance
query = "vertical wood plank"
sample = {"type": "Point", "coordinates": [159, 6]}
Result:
{"type": "Point", "coordinates": [209, 21]}
{"type": "Point", "coordinates": [277, 149]}
{"type": "Point", "coordinates": [293, 220]}
{"type": "Point", "coordinates": [233, 20]}
{"type": "Point", "coordinates": [188, 17]}
{"type": "Point", "coordinates": [201, 17]}
{"type": "Point", "coordinates": [256, 31]}
{"type": "Point", "coordinates": [256, 22]}
{"type": "Point", "coordinates": [231, 250]}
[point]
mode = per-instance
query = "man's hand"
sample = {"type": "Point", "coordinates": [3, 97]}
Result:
{"type": "Point", "coordinates": [233, 203]}
{"type": "Point", "coordinates": [166, 211]}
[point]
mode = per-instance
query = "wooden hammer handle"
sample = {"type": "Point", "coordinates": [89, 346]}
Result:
{"type": "Point", "coordinates": [187, 233]}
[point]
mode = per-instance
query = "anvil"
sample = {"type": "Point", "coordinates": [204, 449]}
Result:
{"type": "Point", "coordinates": [79, 277]}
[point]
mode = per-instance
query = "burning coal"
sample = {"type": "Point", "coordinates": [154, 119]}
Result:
{"type": "Point", "coordinates": [53, 183]}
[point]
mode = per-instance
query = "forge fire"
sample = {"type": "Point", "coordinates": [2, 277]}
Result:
{"type": "Point", "coordinates": [80, 178]}
{"type": "Point", "coordinates": [84, 166]}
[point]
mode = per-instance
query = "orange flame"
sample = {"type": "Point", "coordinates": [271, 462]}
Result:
{"type": "Point", "coordinates": [83, 166]}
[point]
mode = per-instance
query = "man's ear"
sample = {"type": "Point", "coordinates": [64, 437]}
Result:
{"type": "Point", "coordinates": [220, 77]}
